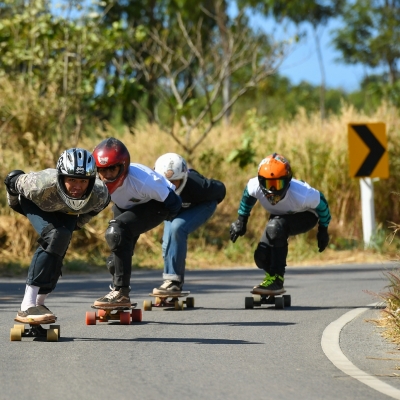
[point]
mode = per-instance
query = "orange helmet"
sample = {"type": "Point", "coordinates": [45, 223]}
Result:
{"type": "Point", "coordinates": [274, 176]}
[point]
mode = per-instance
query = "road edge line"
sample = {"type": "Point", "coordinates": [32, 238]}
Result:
{"type": "Point", "coordinates": [331, 347]}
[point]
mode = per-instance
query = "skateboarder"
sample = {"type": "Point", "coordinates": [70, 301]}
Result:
{"type": "Point", "coordinates": [294, 206]}
{"type": "Point", "coordinates": [142, 198]}
{"type": "Point", "coordinates": [200, 197]}
{"type": "Point", "coordinates": [56, 202]}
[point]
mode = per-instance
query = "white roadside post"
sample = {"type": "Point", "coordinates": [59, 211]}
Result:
{"type": "Point", "coordinates": [367, 209]}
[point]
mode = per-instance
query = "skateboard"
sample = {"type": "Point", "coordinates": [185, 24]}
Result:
{"type": "Point", "coordinates": [52, 334]}
{"type": "Point", "coordinates": [280, 300]}
{"type": "Point", "coordinates": [169, 300]}
{"type": "Point", "coordinates": [122, 314]}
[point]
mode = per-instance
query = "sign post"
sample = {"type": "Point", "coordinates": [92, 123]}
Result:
{"type": "Point", "coordinates": [368, 158]}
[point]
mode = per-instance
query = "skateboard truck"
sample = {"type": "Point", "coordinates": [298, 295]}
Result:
{"type": "Point", "coordinates": [52, 334]}
{"type": "Point", "coordinates": [257, 300]}
{"type": "Point", "coordinates": [169, 300]}
{"type": "Point", "coordinates": [122, 314]}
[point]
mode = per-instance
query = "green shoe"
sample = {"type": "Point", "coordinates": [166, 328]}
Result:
{"type": "Point", "coordinates": [270, 285]}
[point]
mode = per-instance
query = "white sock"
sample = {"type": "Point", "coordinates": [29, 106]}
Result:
{"type": "Point", "coordinates": [30, 296]}
{"type": "Point", "coordinates": [41, 298]}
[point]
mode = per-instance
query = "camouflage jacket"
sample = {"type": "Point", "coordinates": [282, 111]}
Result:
{"type": "Point", "coordinates": [41, 188]}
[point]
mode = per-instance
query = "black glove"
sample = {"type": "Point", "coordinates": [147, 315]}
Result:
{"type": "Point", "coordinates": [238, 228]}
{"type": "Point", "coordinates": [322, 237]}
{"type": "Point", "coordinates": [11, 180]}
{"type": "Point", "coordinates": [170, 217]}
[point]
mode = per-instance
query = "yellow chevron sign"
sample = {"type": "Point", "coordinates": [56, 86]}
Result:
{"type": "Point", "coordinates": [368, 155]}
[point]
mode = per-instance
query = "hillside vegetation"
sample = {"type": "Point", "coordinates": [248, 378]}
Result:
{"type": "Point", "coordinates": [317, 152]}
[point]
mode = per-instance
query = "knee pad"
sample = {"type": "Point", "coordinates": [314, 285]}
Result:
{"type": "Point", "coordinates": [262, 256]}
{"type": "Point", "coordinates": [276, 232]}
{"type": "Point", "coordinates": [55, 240]}
{"type": "Point", "coordinates": [114, 234]}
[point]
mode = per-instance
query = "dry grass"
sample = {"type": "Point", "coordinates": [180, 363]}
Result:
{"type": "Point", "coordinates": [317, 153]}
{"type": "Point", "coordinates": [389, 319]}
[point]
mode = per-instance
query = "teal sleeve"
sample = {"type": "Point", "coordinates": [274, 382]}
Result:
{"type": "Point", "coordinates": [246, 203]}
{"type": "Point", "coordinates": [323, 211]}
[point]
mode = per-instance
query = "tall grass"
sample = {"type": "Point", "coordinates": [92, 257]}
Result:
{"type": "Point", "coordinates": [317, 152]}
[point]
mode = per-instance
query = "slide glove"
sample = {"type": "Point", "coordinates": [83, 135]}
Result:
{"type": "Point", "coordinates": [11, 180]}
{"type": "Point", "coordinates": [170, 217]}
{"type": "Point", "coordinates": [322, 237]}
{"type": "Point", "coordinates": [238, 228]}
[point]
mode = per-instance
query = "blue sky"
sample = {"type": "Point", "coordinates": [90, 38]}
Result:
{"type": "Point", "coordinates": [302, 62]}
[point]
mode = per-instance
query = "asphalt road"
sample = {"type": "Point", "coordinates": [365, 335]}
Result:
{"type": "Point", "coordinates": [217, 350]}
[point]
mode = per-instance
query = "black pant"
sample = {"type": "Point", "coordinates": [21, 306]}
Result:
{"type": "Point", "coordinates": [272, 250]}
{"type": "Point", "coordinates": [136, 220]}
{"type": "Point", "coordinates": [45, 267]}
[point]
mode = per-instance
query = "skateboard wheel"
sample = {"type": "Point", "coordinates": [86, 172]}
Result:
{"type": "Point", "coordinates": [124, 318]}
{"type": "Point", "coordinates": [15, 334]}
{"type": "Point", "coordinates": [157, 301]}
{"type": "Point", "coordinates": [21, 327]}
{"type": "Point", "coordinates": [52, 335]}
{"type": "Point", "coordinates": [279, 303]}
{"type": "Point", "coordinates": [147, 305]}
{"type": "Point", "coordinates": [102, 316]}
{"type": "Point", "coordinates": [287, 300]}
{"type": "Point", "coordinates": [190, 302]}
{"type": "Point", "coordinates": [137, 315]}
{"type": "Point", "coordinates": [178, 305]}
{"type": "Point", "coordinates": [91, 318]}
{"type": "Point", "coordinates": [58, 329]}
{"type": "Point", "coordinates": [257, 298]}
{"type": "Point", "coordinates": [248, 302]}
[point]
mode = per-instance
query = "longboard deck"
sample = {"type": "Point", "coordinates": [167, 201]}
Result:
{"type": "Point", "coordinates": [164, 296]}
{"type": "Point", "coordinates": [32, 322]}
{"type": "Point", "coordinates": [270, 294]}
{"type": "Point", "coordinates": [133, 305]}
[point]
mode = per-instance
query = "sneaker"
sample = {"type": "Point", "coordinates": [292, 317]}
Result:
{"type": "Point", "coordinates": [270, 285]}
{"type": "Point", "coordinates": [169, 287]}
{"type": "Point", "coordinates": [46, 311]}
{"type": "Point", "coordinates": [116, 298]}
{"type": "Point", "coordinates": [32, 314]}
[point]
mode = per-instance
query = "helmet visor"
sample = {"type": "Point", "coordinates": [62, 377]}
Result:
{"type": "Point", "coordinates": [273, 185]}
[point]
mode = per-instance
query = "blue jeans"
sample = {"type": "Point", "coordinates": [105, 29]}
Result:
{"type": "Point", "coordinates": [176, 232]}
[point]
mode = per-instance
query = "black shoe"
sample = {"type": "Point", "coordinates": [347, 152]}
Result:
{"type": "Point", "coordinates": [270, 285]}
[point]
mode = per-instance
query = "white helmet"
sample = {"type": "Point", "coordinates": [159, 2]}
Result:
{"type": "Point", "coordinates": [173, 167]}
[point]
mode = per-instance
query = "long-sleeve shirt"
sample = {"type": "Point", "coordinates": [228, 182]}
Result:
{"type": "Point", "coordinates": [300, 197]}
{"type": "Point", "coordinates": [199, 189]}
{"type": "Point", "coordinates": [41, 188]}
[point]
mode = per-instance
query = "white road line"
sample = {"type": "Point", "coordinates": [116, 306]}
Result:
{"type": "Point", "coordinates": [331, 347]}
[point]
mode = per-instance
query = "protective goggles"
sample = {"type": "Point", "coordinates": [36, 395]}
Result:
{"type": "Point", "coordinates": [273, 185]}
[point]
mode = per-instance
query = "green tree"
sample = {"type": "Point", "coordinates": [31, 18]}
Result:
{"type": "Point", "coordinates": [188, 112]}
{"type": "Point", "coordinates": [49, 68]}
{"type": "Point", "coordinates": [124, 85]}
{"type": "Point", "coordinates": [315, 12]}
{"type": "Point", "coordinates": [370, 35]}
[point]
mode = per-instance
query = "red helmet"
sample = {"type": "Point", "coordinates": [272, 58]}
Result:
{"type": "Point", "coordinates": [112, 152]}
